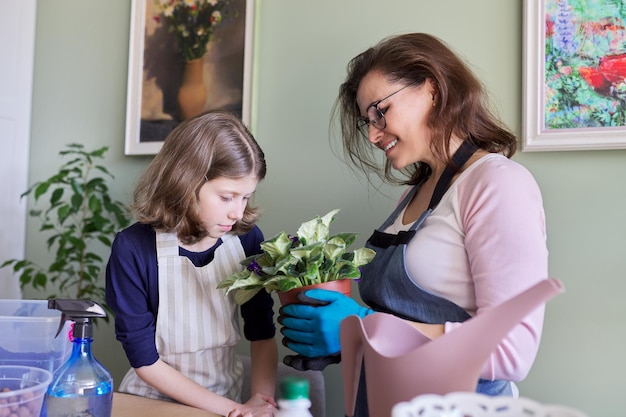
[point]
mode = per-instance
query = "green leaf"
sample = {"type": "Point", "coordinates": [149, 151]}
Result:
{"type": "Point", "coordinates": [348, 270]}
{"type": "Point", "coordinates": [278, 246]}
{"type": "Point", "coordinates": [98, 153]}
{"type": "Point", "coordinates": [20, 264]}
{"type": "Point", "coordinates": [244, 295]}
{"type": "Point", "coordinates": [363, 256]}
{"type": "Point", "coordinates": [25, 278]}
{"type": "Point", "coordinates": [63, 212]}
{"type": "Point", "coordinates": [56, 196]}
{"type": "Point", "coordinates": [288, 284]}
{"type": "Point", "coordinates": [41, 189]}
{"type": "Point", "coordinates": [348, 238]}
{"type": "Point", "coordinates": [58, 265]}
{"type": "Point", "coordinates": [40, 280]}
{"type": "Point", "coordinates": [77, 201]}
{"type": "Point", "coordinates": [94, 204]}
{"type": "Point", "coordinates": [334, 248]}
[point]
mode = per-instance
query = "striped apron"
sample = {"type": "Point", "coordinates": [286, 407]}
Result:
{"type": "Point", "coordinates": [197, 325]}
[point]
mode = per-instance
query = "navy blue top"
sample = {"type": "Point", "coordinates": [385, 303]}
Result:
{"type": "Point", "coordinates": [132, 291]}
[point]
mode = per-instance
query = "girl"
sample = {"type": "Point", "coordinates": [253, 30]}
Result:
{"type": "Point", "coordinates": [194, 226]}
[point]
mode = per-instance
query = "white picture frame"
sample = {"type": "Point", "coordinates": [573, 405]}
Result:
{"type": "Point", "coordinates": [540, 130]}
{"type": "Point", "coordinates": [149, 44]}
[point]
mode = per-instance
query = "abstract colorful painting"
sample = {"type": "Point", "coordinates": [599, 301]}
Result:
{"type": "Point", "coordinates": [577, 65]}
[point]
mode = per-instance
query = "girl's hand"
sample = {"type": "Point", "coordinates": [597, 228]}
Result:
{"type": "Point", "coordinates": [259, 405]}
{"type": "Point", "coordinates": [259, 400]}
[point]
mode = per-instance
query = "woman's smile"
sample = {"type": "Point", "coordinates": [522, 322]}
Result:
{"type": "Point", "coordinates": [390, 145]}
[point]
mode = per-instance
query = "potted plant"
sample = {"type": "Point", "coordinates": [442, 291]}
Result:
{"type": "Point", "coordinates": [80, 215]}
{"type": "Point", "coordinates": [289, 263]}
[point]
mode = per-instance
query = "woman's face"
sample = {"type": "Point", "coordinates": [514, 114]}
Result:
{"type": "Point", "coordinates": [222, 202]}
{"type": "Point", "coordinates": [406, 137]}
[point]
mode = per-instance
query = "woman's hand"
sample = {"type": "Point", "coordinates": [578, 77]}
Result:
{"type": "Point", "coordinates": [258, 406]}
{"type": "Point", "coordinates": [314, 331]}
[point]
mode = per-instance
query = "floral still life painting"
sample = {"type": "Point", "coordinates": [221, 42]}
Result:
{"type": "Point", "coordinates": [186, 57]}
{"type": "Point", "coordinates": [585, 64]}
{"type": "Point", "coordinates": [312, 256]}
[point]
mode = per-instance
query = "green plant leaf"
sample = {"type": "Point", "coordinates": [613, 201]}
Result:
{"type": "Point", "coordinates": [278, 246]}
{"type": "Point", "coordinates": [334, 248]}
{"type": "Point", "coordinates": [56, 196]}
{"type": "Point", "coordinates": [41, 189]}
{"type": "Point", "coordinates": [237, 277]}
{"type": "Point", "coordinates": [40, 280]}
{"type": "Point", "coordinates": [317, 229]}
{"type": "Point", "coordinates": [245, 294]}
{"type": "Point", "coordinates": [363, 256]}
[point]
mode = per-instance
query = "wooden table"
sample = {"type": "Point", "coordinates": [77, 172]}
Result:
{"type": "Point", "coordinates": [126, 405]}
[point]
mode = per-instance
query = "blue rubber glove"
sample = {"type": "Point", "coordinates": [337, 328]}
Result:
{"type": "Point", "coordinates": [314, 330]}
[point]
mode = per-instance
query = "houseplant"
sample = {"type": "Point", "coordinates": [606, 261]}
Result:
{"type": "Point", "coordinates": [288, 262]}
{"type": "Point", "coordinates": [79, 215]}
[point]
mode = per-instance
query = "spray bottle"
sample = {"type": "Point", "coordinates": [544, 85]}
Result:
{"type": "Point", "coordinates": [82, 386]}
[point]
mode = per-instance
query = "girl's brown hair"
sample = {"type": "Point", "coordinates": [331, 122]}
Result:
{"type": "Point", "coordinates": [214, 144]}
{"type": "Point", "coordinates": [461, 109]}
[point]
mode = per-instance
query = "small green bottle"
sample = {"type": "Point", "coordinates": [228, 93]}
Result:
{"type": "Point", "coordinates": [294, 401]}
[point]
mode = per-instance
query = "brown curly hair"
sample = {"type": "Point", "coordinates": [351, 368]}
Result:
{"type": "Point", "coordinates": [461, 109]}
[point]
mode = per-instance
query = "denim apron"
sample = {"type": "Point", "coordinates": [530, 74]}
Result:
{"type": "Point", "coordinates": [386, 287]}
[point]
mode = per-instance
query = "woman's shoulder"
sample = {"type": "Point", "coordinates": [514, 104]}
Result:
{"type": "Point", "coordinates": [496, 169]}
{"type": "Point", "coordinates": [498, 179]}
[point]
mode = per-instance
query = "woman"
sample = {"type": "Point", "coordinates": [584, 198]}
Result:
{"type": "Point", "coordinates": [469, 232]}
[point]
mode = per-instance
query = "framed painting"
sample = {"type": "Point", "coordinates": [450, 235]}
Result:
{"type": "Point", "coordinates": [574, 81]}
{"type": "Point", "coordinates": [185, 57]}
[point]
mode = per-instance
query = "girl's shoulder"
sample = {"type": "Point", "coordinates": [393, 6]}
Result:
{"type": "Point", "coordinates": [251, 241]}
{"type": "Point", "coordinates": [137, 235]}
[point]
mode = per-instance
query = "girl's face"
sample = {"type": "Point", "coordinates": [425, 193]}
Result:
{"type": "Point", "coordinates": [222, 202]}
{"type": "Point", "coordinates": [406, 136]}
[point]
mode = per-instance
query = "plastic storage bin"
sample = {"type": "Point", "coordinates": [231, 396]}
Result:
{"type": "Point", "coordinates": [27, 330]}
{"type": "Point", "coordinates": [22, 390]}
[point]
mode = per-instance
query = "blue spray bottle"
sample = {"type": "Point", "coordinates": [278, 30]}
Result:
{"type": "Point", "coordinates": [82, 386]}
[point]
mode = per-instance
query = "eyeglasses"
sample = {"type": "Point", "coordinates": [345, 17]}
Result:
{"type": "Point", "coordinates": [375, 116]}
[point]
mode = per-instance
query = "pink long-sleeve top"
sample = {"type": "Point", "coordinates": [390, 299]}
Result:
{"type": "Point", "coordinates": [484, 243]}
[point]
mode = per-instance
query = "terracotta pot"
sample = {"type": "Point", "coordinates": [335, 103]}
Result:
{"type": "Point", "coordinates": [343, 286]}
{"type": "Point", "coordinates": [192, 93]}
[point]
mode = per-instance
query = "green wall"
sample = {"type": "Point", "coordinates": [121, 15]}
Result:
{"type": "Point", "coordinates": [302, 49]}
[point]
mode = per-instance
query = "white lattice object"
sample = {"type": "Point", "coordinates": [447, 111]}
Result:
{"type": "Point", "coordinates": [468, 404]}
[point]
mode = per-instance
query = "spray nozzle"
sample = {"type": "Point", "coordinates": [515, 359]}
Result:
{"type": "Point", "coordinates": [81, 312]}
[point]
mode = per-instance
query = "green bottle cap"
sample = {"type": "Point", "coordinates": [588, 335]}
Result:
{"type": "Point", "coordinates": [293, 388]}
